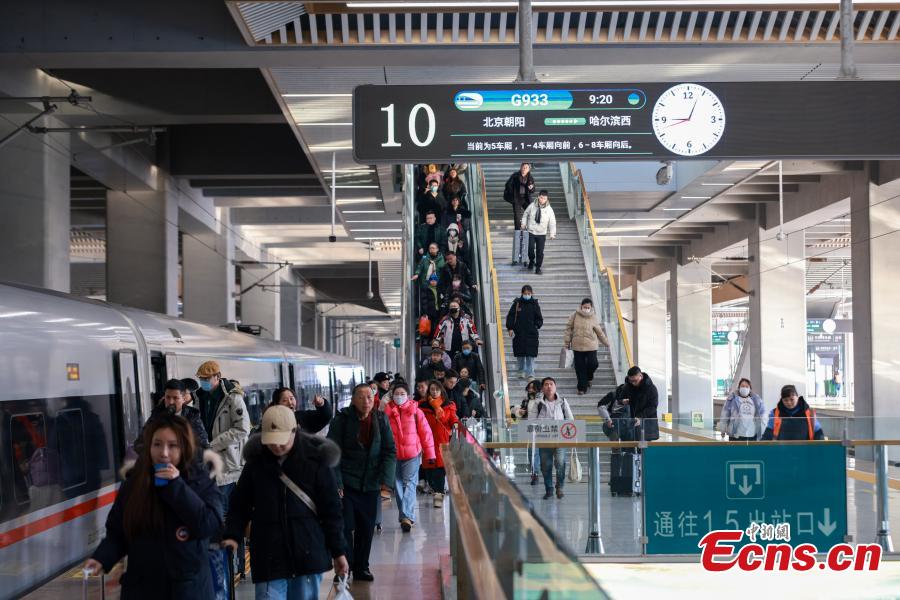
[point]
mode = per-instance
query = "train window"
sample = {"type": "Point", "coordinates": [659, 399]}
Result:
{"type": "Point", "coordinates": [72, 449]}
{"type": "Point", "coordinates": [36, 468]}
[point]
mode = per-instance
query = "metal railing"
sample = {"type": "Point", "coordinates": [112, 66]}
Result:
{"type": "Point", "coordinates": [410, 288]}
{"type": "Point", "coordinates": [601, 277]}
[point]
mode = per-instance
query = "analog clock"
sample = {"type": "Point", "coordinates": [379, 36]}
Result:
{"type": "Point", "coordinates": [688, 119]}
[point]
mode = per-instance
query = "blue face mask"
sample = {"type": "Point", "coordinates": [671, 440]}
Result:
{"type": "Point", "coordinates": [526, 296]}
{"type": "Point", "coordinates": [205, 385]}
{"type": "Point", "coordinates": [467, 351]}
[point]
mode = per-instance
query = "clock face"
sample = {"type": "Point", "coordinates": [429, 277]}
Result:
{"type": "Point", "coordinates": [688, 119]}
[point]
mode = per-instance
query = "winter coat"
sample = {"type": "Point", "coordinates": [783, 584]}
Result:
{"type": "Point", "coordinates": [172, 564]}
{"type": "Point", "coordinates": [190, 414]}
{"type": "Point", "coordinates": [512, 188]}
{"type": "Point", "coordinates": [784, 424]}
{"type": "Point", "coordinates": [731, 414]}
{"type": "Point", "coordinates": [455, 188]}
{"type": "Point", "coordinates": [462, 291]}
{"type": "Point", "coordinates": [541, 409]}
{"type": "Point", "coordinates": [439, 237]}
{"type": "Point", "coordinates": [227, 421]}
{"type": "Point", "coordinates": [412, 434]}
{"type": "Point", "coordinates": [644, 400]}
{"type": "Point", "coordinates": [548, 220]}
{"type": "Point", "coordinates": [440, 428]}
{"type": "Point", "coordinates": [471, 362]}
{"type": "Point", "coordinates": [286, 538]}
{"type": "Point", "coordinates": [428, 266]}
{"type": "Point", "coordinates": [471, 399]}
{"type": "Point", "coordinates": [466, 325]}
{"type": "Point", "coordinates": [457, 217]}
{"type": "Point", "coordinates": [525, 318]}
{"type": "Point", "coordinates": [584, 333]}
{"type": "Point", "coordinates": [316, 418]}
{"type": "Point", "coordinates": [361, 468]}
{"type": "Point", "coordinates": [461, 269]}
{"type": "Point", "coordinates": [455, 396]}
{"type": "Point", "coordinates": [427, 202]}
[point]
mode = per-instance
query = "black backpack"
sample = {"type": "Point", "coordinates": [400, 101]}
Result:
{"type": "Point", "coordinates": [509, 193]}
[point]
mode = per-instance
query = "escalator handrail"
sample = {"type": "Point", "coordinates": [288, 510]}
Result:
{"type": "Point", "coordinates": [603, 267]}
{"type": "Point", "coordinates": [501, 349]}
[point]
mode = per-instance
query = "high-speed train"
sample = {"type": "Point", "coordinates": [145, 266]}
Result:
{"type": "Point", "coordinates": [77, 380]}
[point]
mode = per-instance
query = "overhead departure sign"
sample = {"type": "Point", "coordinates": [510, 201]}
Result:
{"type": "Point", "coordinates": [759, 120]}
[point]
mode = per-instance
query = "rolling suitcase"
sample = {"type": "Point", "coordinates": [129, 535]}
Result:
{"type": "Point", "coordinates": [625, 474]}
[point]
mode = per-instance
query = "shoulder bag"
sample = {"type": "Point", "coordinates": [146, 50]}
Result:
{"type": "Point", "coordinates": [301, 495]}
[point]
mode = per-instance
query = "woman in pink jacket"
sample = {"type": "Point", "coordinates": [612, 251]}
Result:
{"type": "Point", "coordinates": [414, 441]}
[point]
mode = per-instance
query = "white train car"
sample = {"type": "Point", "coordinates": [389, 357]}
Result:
{"type": "Point", "coordinates": [78, 380]}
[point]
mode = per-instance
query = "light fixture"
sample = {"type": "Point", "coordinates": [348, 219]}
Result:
{"type": "Point", "coordinates": [613, 236]}
{"type": "Point", "coordinates": [696, 197]}
{"type": "Point", "coordinates": [380, 237]}
{"type": "Point", "coordinates": [828, 325]}
{"type": "Point", "coordinates": [678, 209]}
{"type": "Point", "coordinates": [624, 4]}
{"type": "Point", "coordinates": [316, 95]}
{"type": "Point", "coordinates": [357, 201]}
{"type": "Point", "coordinates": [373, 230]}
{"type": "Point", "coordinates": [363, 212]}
{"type": "Point", "coordinates": [357, 187]}
{"type": "Point", "coordinates": [732, 336]}
{"type": "Point", "coordinates": [329, 148]}
{"type": "Point", "coordinates": [323, 124]}
{"type": "Point", "coordinates": [352, 170]}
{"type": "Point", "coordinates": [390, 221]}
{"type": "Point", "coordinates": [718, 184]}
{"type": "Point", "coordinates": [634, 219]}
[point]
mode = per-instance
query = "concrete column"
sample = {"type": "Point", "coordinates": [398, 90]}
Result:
{"type": "Point", "coordinates": [142, 249]}
{"type": "Point", "coordinates": [876, 312]}
{"type": "Point", "coordinates": [262, 305]}
{"type": "Point", "coordinates": [691, 305]}
{"type": "Point", "coordinates": [777, 337]}
{"type": "Point", "coordinates": [208, 277]}
{"type": "Point", "coordinates": [308, 324]}
{"type": "Point", "coordinates": [650, 333]}
{"type": "Point", "coordinates": [34, 202]}
{"type": "Point", "coordinates": [290, 310]}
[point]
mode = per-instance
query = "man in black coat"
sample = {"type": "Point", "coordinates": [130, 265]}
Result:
{"type": "Point", "coordinates": [454, 393]}
{"type": "Point", "coordinates": [297, 528]}
{"type": "Point", "coordinates": [468, 358]}
{"type": "Point", "coordinates": [454, 266]}
{"type": "Point", "coordinates": [174, 402]}
{"type": "Point", "coordinates": [641, 395]}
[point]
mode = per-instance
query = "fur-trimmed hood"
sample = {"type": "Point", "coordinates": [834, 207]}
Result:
{"type": "Point", "coordinates": [313, 447]}
{"type": "Point", "coordinates": [211, 460]}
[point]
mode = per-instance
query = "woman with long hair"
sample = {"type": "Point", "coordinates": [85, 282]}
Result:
{"type": "Point", "coordinates": [440, 412]}
{"type": "Point", "coordinates": [163, 517]}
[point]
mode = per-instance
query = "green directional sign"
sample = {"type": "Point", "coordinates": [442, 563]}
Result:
{"type": "Point", "coordinates": [396, 342]}
{"type": "Point", "coordinates": [690, 491]}
{"type": "Point", "coordinates": [719, 338]}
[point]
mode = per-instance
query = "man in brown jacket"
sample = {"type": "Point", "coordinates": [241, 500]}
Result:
{"type": "Point", "coordinates": [584, 336]}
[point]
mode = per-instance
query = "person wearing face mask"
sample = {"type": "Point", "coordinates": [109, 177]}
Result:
{"type": "Point", "coordinates": [583, 336]}
{"type": "Point", "coordinates": [539, 221]}
{"type": "Point", "coordinates": [430, 232]}
{"type": "Point", "coordinates": [454, 266]}
{"type": "Point", "coordinates": [468, 359]}
{"type": "Point", "coordinates": [288, 495]}
{"type": "Point", "coordinates": [459, 288]}
{"type": "Point", "coordinates": [431, 201]}
{"type": "Point", "coordinates": [440, 412]}
{"type": "Point", "coordinates": [793, 419]}
{"type": "Point", "coordinates": [455, 328]}
{"type": "Point", "coordinates": [517, 191]}
{"type": "Point", "coordinates": [743, 415]}
{"type": "Point", "coordinates": [470, 396]}
{"type": "Point", "coordinates": [523, 321]}
{"type": "Point", "coordinates": [415, 444]}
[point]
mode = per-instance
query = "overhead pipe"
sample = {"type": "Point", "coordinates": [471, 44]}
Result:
{"type": "Point", "coordinates": [526, 43]}
{"type": "Point", "coordinates": [848, 59]}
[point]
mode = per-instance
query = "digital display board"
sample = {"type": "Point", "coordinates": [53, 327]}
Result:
{"type": "Point", "coordinates": [651, 121]}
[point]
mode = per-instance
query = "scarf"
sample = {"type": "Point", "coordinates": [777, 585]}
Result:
{"type": "Point", "coordinates": [436, 403]}
{"type": "Point", "coordinates": [537, 217]}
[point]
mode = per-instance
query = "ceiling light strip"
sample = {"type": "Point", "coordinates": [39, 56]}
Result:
{"type": "Point", "coordinates": [626, 4]}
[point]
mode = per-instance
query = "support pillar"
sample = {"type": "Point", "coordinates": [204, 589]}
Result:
{"type": "Point", "coordinates": [34, 202]}
{"type": "Point", "coordinates": [876, 312]}
{"type": "Point", "coordinates": [650, 333]}
{"type": "Point", "coordinates": [142, 249]}
{"type": "Point", "coordinates": [308, 325]}
{"type": "Point", "coordinates": [691, 305]}
{"type": "Point", "coordinates": [290, 310]}
{"type": "Point", "coordinates": [262, 305]}
{"type": "Point", "coordinates": [777, 312]}
{"type": "Point", "coordinates": [208, 276]}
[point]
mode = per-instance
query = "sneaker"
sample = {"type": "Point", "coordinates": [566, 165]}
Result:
{"type": "Point", "coordinates": [581, 392]}
{"type": "Point", "coordinates": [385, 494]}
{"type": "Point", "coordinates": [405, 525]}
{"type": "Point", "coordinates": [438, 500]}
{"type": "Point", "coordinates": [363, 575]}
{"type": "Point", "coordinates": [378, 529]}
{"type": "Point", "coordinates": [529, 266]}
{"type": "Point", "coordinates": [548, 494]}
{"type": "Point", "coordinates": [420, 489]}
{"type": "Point", "coordinates": [523, 375]}
{"type": "Point", "coordinates": [534, 479]}
{"type": "Point", "coordinates": [559, 493]}
{"type": "Point", "coordinates": [537, 271]}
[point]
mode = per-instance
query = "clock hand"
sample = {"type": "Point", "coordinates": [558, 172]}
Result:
{"type": "Point", "coordinates": [692, 109]}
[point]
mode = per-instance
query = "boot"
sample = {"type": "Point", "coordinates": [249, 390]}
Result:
{"type": "Point", "coordinates": [438, 500]}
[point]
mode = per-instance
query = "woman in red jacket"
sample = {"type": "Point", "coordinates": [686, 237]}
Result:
{"type": "Point", "coordinates": [414, 441]}
{"type": "Point", "coordinates": [440, 412]}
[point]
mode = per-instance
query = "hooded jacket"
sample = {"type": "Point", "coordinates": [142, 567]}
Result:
{"type": "Point", "coordinates": [644, 400]}
{"type": "Point", "coordinates": [286, 538]}
{"type": "Point", "coordinates": [785, 424]}
{"type": "Point", "coordinates": [172, 564]}
{"type": "Point", "coordinates": [440, 428]}
{"type": "Point", "coordinates": [731, 414]}
{"type": "Point", "coordinates": [412, 434]}
{"type": "Point", "coordinates": [228, 428]}
{"type": "Point", "coordinates": [361, 468]}
{"type": "Point", "coordinates": [547, 225]}
{"type": "Point", "coordinates": [584, 333]}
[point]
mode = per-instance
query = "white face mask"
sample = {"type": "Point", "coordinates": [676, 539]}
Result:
{"type": "Point", "coordinates": [744, 391]}
{"type": "Point", "coordinates": [400, 399]}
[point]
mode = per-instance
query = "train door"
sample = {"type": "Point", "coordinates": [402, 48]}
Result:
{"type": "Point", "coordinates": [158, 375]}
{"type": "Point", "coordinates": [287, 379]}
{"type": "Point", "coordinates": [171, 366]}
{"type": "Point", "coordinates": [128, 403]}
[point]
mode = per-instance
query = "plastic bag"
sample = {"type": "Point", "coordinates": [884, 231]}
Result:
{"type": "Point", "coordinates": [574, 471]}
{"type": "Point", "coordinates": [341, 589]}
{"type": "Point", "coordinates": [566, 358]}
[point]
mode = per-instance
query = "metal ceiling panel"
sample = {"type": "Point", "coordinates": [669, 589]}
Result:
{"type": "Point", "coordinates": [264, 18]}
